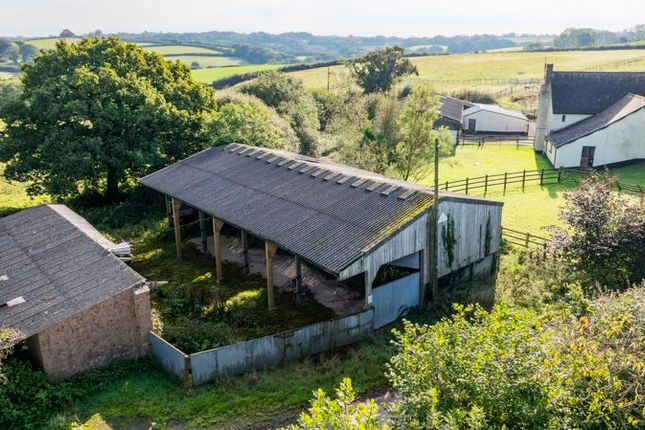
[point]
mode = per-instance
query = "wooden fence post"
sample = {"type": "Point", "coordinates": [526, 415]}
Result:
{"type": "Point", "coordinates": [523, 179]}
{"type": "Point", "coordinates": [505, 178]}
{"type": "Point", "coordinates": [466, 185]}
{"type": "Point", "coordinates": [528, 236]}
{"type": "Point", "coordinates": [542, 177]}
{"type": "Point", "coordinates": [446, 185]}
{"type": "Point", "coordinates": [559, 175]}
{"type": "Point", "coordinates": [486, 185]}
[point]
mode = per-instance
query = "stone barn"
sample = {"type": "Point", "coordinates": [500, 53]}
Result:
{"type": "Point", "coordinates": [76, 304]}
{"type": "Point", "coordinates": [347, 223]}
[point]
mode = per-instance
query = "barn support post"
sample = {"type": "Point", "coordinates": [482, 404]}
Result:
{"type": "Point", "coordinates": [245, 252]}
{"type": "Point", "coordinates": [422, 278]}
{"type": "Point", "coordinates": [217, 248]}
{"type": "Point", "coordinates": [202, 231]}
{"type": "Point", "coordinates": [269, 251]}
{"type": "Point", "coordinates": [176, 204]}
{"type": "Point", "coordinates": [169, 210]}
{"type": "Point", "coordinates": [369, 279]}
{"type": "Point", "coordinates": [298, 263]}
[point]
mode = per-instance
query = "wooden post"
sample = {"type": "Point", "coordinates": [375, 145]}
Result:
{"type": "Point", "coordinates": [523, 179]}
{"type": "Point", "coordinates": [505, 179]}
{"type": "Point", "coordinates": [542, 177]}
{"type": "Point", "coordinates": [217, 248]}
{"type": "Point", "coordinates": [466, 185]}
{"type": "Point", "coordinates": [169, 210]}
{"type": "Point", "coordinates": [559, 174]}
{"type": "Point", "coordinates": [486, 185]}
{"type": "Point", "coordinates": [202, 231]}
{"type": "Point", "coordinates": [245, 252]}
{"type": "Point", "coordinates": [298, 263]}
{"type": "Point", "coordinates": [422, 278]}
{"type": "Point", "coordinates": [176, 204]}
{"type": "Point", "coordinates": [528, 237]}
{"type": "Point", "coordinates": [269, 251]}
{"type": "Point", "coordinates": [368, 290]}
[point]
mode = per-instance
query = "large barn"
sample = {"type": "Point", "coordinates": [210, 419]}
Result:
{"type": "Point", "coordinates": [588, 119]}
{"type": "Point", "coordinates": [345, 222]}
{"type": "Point", "coordinates": [73, 301]}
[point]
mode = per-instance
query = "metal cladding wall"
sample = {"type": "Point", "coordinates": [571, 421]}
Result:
{"type": "Point", "coordinates": [476, 230]}
{"type": "Point", "coordinates": [394, 299]}
{"type": "Point", "coordinates": [170, 358]}
{"type": "Point", "coordinates": [271, 350]}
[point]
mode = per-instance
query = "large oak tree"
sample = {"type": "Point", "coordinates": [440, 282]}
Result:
{"type": "Point", "coordinates": [95, 114]}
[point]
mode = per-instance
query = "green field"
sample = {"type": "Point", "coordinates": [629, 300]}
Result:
{"type": "Point", "coordinates": [535, 208]}
{"type": "Point", "coordinates": [207, 61]}
{"type": "Point", "coordinates": [458, 72]}
{"type": "Point", "coordinates": [50, 43]}
{"type": "Point", "coordinates": [179, 49]}
{"type": "Point", "coordinates": [210, 75]}
{"type": "Point", "coordinates": [13, 196]}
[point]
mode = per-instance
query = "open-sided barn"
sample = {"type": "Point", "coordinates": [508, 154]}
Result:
{"type": "Point", "coordinates": [75, 303]}
{"type": "Point", "coordinates": [343, 221]}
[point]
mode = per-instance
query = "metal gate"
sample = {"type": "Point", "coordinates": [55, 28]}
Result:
{"type": "Point", "coordinates": [392, 300]}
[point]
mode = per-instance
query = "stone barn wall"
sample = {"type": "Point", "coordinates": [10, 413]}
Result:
{"type": "Point", "coordinates": [115, 329]}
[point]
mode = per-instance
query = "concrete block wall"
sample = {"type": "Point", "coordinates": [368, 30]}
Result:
{"type": "Point", "coordinates": [115, 329]}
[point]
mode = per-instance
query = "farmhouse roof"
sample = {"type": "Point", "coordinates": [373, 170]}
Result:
{"type": "Point", "coordinates": [624, 107]}
{"type": "Point", "coordinates": [59, 264]}
{"type": "Point", "coordinates": [589, 93]}
{"type": "Point", "coordinates": [453, 108]}
{"type": "Point", "coordinates": [327, 213]}
{"type": "Point", "coordinates": [495, 109]}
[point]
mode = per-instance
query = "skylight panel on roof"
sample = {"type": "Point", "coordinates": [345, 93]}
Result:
{"type": "Point", "coordinates": [374, 185]}
{"type": "Point", "coordinates": [331, 176]}
{"type": "Point", "coordinates": [387, 191]}
{"type": "Point", "coordinates": [317, 173]}
{"type": "Point", "coordinates": [358, 183]}
{"type": "Point", "coordinates": [407, 194]}
{"type": "Point", "coordinates": [343, 179]}
{"type": "Point", "coordinates": [272, 159]}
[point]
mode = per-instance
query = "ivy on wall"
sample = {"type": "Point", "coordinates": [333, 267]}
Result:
{"type": "Point", "coordinates": [448, 238]}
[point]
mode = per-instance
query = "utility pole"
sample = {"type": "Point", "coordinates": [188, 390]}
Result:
{"type": "Point", "coordinates": [328, 74]}
{"type": "Point", "coordinates": [435, 224]}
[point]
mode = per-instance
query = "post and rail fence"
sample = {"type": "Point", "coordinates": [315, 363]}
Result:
{"type": "Point", "coordinates": [524, 177]}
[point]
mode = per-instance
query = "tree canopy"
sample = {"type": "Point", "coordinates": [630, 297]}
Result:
{"type": "Point", "coordinates": [95, 114]}
{"type": "Point", "coordinates": [380, 70]}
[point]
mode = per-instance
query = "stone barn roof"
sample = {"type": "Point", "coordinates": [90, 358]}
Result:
{"type": "Point", "coordinates": [589, 93]}
{"type": "Point", "coordinates": [59, 264]}
{"type": "Point", "coordinates": [327, 213]}
{"type": "Point", "coordinates": [624, 107]}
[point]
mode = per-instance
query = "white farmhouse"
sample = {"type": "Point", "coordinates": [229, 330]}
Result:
{"type": "Point", "coordinates": [483, 118]}
{"type": "Point", "coordinates": [588, 119]}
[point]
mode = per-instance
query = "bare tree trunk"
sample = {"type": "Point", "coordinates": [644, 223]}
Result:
{"type": "Point", "coordinates": [112, 191]}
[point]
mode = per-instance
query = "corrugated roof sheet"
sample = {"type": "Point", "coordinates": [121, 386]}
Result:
{"type": "Point", "coordinates": [589, 93]}
{"type": "Point", "coordinates": [495, 109]}
{"type": "Point", "coordinates": [453, 108]}
{"type": "Point", "coordinates": [330, 217]}
{"type": "Point", "coordinates": [614, 113]}
{"type": "Point", "coordinates": [59, 263]}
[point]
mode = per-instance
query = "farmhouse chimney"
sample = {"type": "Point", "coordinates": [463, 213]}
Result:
{"type": "Point", "coordinates": [544, 107]}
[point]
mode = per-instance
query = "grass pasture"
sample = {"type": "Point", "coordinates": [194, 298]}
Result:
{"type": "Point", "coordinates": [208, 61]}
{"type": "Point", "coordinates": [490, 72]}
{"type": "Point", "coordinates": [50, 42]}
{"type": "Point", "coordinates": [209, 75]}
{"type": "Point", "coordinates": [535, 208]}
{"type": "Point", "coordinates": [179, 49]}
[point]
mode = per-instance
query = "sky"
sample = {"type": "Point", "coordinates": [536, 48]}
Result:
{"type": "Point", "coordinates": [323, 17]}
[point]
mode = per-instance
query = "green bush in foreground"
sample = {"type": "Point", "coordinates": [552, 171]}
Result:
{"type": "Point", "coordinates": [513, 368]}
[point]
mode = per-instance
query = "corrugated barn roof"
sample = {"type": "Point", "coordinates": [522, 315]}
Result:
{"type": "Point", "coordinates": [328, 214]}
{"type": "Point", "coordinates": [59, 264]}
